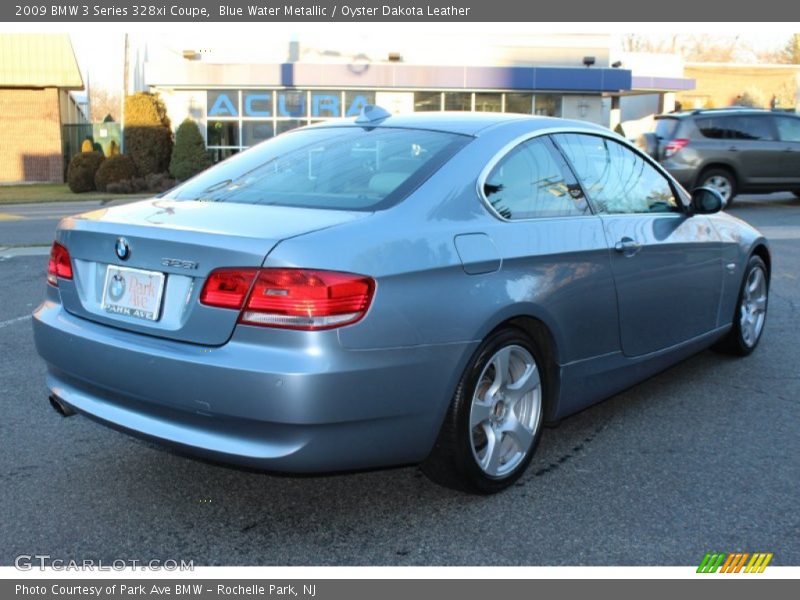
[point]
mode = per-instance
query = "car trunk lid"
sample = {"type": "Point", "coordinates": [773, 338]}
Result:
{"type": "Point", "coordinates": [172, 246]}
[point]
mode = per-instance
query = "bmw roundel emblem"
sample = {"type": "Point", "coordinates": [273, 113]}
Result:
{"type": "Point", "coordinates": [122, 248]}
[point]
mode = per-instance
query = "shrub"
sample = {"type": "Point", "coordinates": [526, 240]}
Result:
{"type": "Point", "coordinates": [189, 155]}
{"type": "Point", "coordinates": [81, 171]}
{"type": "Point", "coordinates": [148, 139]}
{"type": "Point", "coordinates": [751, 98]}
{"type": "Point", "coordinates": [87, 145]}
{"type": "Point", "coordinates": [159, 182]}
{"type": "Point", "coordinates": [154, 183]}
{"type": "Point", "coordinates": [115, 168]}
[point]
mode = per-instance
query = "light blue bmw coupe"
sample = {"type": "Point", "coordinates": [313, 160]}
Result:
{"type": "Point", "coordinates": [391, 290]}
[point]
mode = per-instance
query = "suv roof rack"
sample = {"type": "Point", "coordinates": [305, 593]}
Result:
{"type": "Point", "coordinates": [699, 111]}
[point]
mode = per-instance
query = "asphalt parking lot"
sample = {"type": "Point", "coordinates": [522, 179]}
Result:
{"type": "Point", "coordinates": [704, 457]}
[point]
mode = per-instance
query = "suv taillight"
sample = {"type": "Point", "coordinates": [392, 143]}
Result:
{"type": "Point", "coordinates": [673, 146]}
{"type": "Point", "coordinates": [290, 298]}
{"type": "Point", "coordinates": [59, 265]}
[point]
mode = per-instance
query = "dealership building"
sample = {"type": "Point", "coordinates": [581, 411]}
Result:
{"type": "Point", "coordinates": [245, 91]}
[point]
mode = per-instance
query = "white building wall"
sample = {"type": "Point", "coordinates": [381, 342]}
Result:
{"type": "Point", "coordinates": [584, 108]}
{"type": "Point", "coordinates": [183, 104]}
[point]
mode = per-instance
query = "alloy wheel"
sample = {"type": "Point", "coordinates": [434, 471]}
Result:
{"type": "Point", "coordinates": [753, 307]}
{"type": "Point", "coordinates": [505, 412]}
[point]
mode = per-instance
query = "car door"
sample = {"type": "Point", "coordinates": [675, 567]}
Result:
{"type": "Point", "coordinates": [746, 142]}
{"type": "Point", "coordinates": [753, 144]}
{"type": "Point", "coordinates": [553, 249]}
{"type": "Point", "coordinates": [666, 263]}
{"type": "Point", "coordinates": [788, 128]}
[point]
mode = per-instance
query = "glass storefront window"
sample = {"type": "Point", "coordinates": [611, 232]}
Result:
{"type": "Point", "coordinates": [222, 103]}
{"type": "Point", "coordinates": [326, 104]}
{"type": "Point", "coordinates": [458, 101]}
{"type": "Point", "coordinates": [254, 132]}
{"type": "Point", "coordinates": [519, 103]}
{"type": "Point", "coordinates": [355, 101]}
{"type": "Point", "coordinates": [427, 101]}
{"type": "Point", "coordinates": [291, 103]}
{"type": "Point", "coordinates": [222, 133]}
{"type": "Point", "coordinates": [218, 154]}
{"type": "Point", "coordinates": [487, 102]}
{"type": "Point", "coordinates": [238, 119]}
{"type": "Point", "coordinates": [283, 126]}
{"type": "Point", "coordinates": [548, 105]}
{"type": "Point", "coordinates": [257, 103]}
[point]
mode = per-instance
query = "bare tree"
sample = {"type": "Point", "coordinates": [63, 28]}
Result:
{"type": "Point", "coordinates": [104, 102]}
{"type": "Point", "coordinates": [791, 51]}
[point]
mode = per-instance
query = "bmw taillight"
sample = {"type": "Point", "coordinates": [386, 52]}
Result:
{"type": "Point", "coordinates": [227, 288]}
{"type": "Point", "coordinates": [674, 146]}
{"type": "Point", "coordinates": [290, 298]}
{"type": "Point", "coordinates": [59, 265]}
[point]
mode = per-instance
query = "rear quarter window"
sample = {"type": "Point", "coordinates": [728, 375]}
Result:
{"type": "Point", "coordinates": [665, 128]}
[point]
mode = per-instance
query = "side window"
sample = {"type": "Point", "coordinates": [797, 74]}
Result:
{"type": "Point", "coordinates": [788, 129]}
{"type": "Point", "coordinates": [750, 128]}
{"type": "Point", "coordinates": [532, 181]}
{"type": "Point", "coordinates": [617, 179]}
{"type": "Point", "coordinates": [744, 127]}
{"type": "Point", "coordinates": [713, 128]}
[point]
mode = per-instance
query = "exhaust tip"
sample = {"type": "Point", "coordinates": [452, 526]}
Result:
{"type": "Point", "coordinates": [59, 406]}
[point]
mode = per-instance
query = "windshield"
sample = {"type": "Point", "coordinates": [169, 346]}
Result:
{"type": "Point", "coordinates": [342, 168]}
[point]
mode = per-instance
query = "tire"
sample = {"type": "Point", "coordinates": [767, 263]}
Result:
{"type": "Point", "coordinates": [722, 180]}
{"type": "Point", "coordinates": [796, 193]}
{"type": "Point", "coordinates": [750, 315]}
{"type": "Point", "coordinates": [491, 430]}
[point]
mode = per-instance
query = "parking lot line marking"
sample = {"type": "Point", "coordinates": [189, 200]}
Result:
{"type": "Point", "coordinates": [10, 217]}
{"type": "Point", "coordinates": [6, 253]}
{"type": "Point", "coordinates": [12, 321]}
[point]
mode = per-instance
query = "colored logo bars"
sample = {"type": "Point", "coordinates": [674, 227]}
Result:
{"type": "Point", "coordinates": [735, 562]}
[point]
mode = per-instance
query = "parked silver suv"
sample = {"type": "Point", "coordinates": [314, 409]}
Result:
{"type": "Point", "coordinates": [736, 150]}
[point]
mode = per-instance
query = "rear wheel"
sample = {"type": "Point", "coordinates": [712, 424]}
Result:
{"type": "Point", "coordinates": [796, 193]}
{"type": "Point", "coordinates": [721, 180]}
{"type": "Point", "coordinates": [495, 419]}
{"type": "Point", "coordinates": [751, 311]}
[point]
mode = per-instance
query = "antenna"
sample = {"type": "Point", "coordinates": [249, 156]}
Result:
{"type": "Point", "coordinates": [372, 113]}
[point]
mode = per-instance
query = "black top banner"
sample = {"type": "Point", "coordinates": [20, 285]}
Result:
{"type": "Point", "coordinates": [393, 10]}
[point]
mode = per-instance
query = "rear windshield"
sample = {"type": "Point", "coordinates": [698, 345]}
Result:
{"type": "Point", "coordinates": [342, 168]}
{"type": "Point", "coordinates": [665, 128]}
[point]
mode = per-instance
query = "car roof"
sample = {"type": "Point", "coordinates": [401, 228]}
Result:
{"type": "Point", "coordinates": [726, 111]}
{"type": "Point", "coordinates": [465, 123]}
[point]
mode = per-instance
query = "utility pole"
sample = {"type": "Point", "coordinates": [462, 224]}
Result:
{"type": "Point", "coordinates": [124, 95]}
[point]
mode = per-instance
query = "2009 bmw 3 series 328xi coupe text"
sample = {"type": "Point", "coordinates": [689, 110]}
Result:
{"type": "Point", "coordinates": [392, 290]}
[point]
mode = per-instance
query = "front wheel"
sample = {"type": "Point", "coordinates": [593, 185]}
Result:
{"type": "Point", "coordinates": [495, 418]}
{"type": "Point", "coordinates": [751, 311]}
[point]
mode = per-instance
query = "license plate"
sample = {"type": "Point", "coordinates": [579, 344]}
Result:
{"type": "Point", "coordinates": [133, 292]}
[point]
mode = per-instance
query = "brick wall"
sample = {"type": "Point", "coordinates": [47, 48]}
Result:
{"type": "Point", "coordinates": [718, 86]}
{"type": "Point", "coordinates": [30, 135]}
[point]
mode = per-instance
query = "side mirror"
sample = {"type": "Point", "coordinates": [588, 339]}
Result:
{"type": "Point", "coordinates": [706, 201]}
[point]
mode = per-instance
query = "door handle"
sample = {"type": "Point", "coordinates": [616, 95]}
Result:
{"type": "Point", "coordinates": [733, 149]}
{"type": "Point", "coordinates": [627, 246]}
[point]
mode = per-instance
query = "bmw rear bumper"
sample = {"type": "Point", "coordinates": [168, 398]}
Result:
{"type": "Point", "coordinates": [305, 405]}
